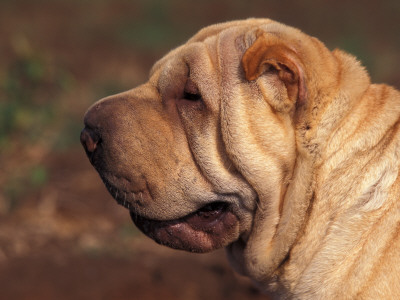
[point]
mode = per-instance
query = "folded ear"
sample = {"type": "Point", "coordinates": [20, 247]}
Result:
{"type": "Point", "coordinates": [269, 54]}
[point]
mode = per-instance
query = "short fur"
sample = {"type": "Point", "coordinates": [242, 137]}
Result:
{"type": "Point", "coordinates": [292, 135]}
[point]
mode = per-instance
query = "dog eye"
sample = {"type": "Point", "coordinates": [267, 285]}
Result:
{"type": "Point", "coordinates": [191, 91]}
{"type": "Point", "coordinates": [191, 97]}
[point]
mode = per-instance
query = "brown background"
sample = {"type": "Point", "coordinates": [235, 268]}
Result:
{"type": "Point", "coordinates": [61, 234]}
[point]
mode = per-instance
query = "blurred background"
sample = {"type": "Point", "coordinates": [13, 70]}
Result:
{"type": "Point", "coordinates": [61, 234]}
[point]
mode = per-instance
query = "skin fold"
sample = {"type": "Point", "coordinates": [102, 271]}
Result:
{"type": "Point", "coordinates": [255, 137]}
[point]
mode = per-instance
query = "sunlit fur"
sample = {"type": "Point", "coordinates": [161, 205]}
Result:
{"type": "Point", "coordinates": [317, 181]}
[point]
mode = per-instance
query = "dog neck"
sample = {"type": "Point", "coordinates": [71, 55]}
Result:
{"type": "Point", "coordinates": [337, 182]}
{"type": "Point", "coordinates": [321, 192]}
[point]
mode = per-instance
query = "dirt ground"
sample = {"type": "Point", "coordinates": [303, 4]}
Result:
{"type": "Point", "coordinates": [61, 235]}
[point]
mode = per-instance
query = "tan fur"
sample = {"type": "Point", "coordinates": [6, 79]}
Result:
{"type": "Point", "coordinates": [298, 133]}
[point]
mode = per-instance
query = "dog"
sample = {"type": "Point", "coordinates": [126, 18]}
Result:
{"type": "Point", "coordinates": [255, 137]}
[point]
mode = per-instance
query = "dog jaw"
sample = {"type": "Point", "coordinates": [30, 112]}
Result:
{"type": "Point", "coordinates": [212, 227]}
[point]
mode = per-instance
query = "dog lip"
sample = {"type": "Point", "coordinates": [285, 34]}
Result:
{"type": "Point", "coordinates": [211, 227]}
{"type": "Point", "coordinates": [208, 215]}
{"type": "Point", "coordinates": [125, 198]}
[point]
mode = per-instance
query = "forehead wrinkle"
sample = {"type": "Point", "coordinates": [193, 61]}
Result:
{"type": "Point", "coordinates": [211, 47]}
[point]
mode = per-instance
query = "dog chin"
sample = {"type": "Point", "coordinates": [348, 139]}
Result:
{"type": "Point", "coordinates": [209, 228]}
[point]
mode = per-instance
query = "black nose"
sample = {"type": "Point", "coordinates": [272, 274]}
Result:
{"type": "Point", "coordinates": [90, 140]}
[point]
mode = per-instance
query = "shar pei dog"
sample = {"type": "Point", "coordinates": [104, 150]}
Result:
{"type": "Point", "coordinates": [255, 137]}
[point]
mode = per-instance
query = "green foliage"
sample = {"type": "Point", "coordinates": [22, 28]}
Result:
{"type": "Point", "coordinates": [30, 92]}
{"type": "Point", "coordinates": [21, 181]}
{"type": "Point", "coordinates": [28, 97]}
{"type": "Point", "coordinates": [38, 176]}
{"type": "Point", "coordinates": [154, 28]}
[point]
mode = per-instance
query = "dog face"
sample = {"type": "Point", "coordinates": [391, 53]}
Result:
{"type": "Point", "coordinates": [194, 151]}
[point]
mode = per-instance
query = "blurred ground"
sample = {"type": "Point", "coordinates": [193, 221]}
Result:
{"type": "Point", "coordinates": [61, 234]}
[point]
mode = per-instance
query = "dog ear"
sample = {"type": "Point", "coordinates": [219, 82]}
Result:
{"type": "Point", "coordinates": [269, 54]}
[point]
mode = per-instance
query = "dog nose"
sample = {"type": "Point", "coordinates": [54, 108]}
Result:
{"type": "Point", "coordinates": [89, 139]}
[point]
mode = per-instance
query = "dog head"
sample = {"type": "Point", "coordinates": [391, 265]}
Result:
{"type": "Point", "coordinates": [206, 149]}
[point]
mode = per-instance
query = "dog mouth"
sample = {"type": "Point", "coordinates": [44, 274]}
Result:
{"type": "Point", "coordinates": [211, 227]}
